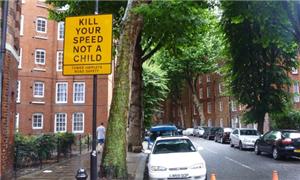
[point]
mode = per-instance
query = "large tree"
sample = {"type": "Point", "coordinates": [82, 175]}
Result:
{"type": "Point", "coordinates": [262, 53]}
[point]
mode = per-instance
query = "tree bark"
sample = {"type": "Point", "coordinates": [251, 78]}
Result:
{"type": "Point", "coordinates": [260, 123]}
{"type": "Point", "coordinates": [199, 107]}
{"type": "Point", "coordinates": [114, 157]}
{"type": "Point", "coordinates": [136, 118]}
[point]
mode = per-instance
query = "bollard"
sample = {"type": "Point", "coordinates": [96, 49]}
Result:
{"type": "Point", "coordinates": [275, 175]}
{"type": "Point", "coordinates": [81, 174]}
{"type": "Point", "coordinates": [212, 176]}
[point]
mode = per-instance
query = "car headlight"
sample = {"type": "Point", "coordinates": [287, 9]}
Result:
{"type": "Point", "coordinates": [158, 168]}
{"type": "Point", "coordinates": [197, 166]}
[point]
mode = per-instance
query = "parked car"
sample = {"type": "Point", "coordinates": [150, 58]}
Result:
{"type": "Point", "coordinates": [188, 132]}
{"type": "Point", "coordinates": [198, 131]}
{"type": "Point", "coordinates": [175, 158]}
{"type": "Point", "coordinates": [160, 130]}
{"type": "Point", "coordinates": [244, 138]}
{"type": "Point", "coordinates": [279, 143]}
{"type": "Point", "coordinates": [206, 132]}
{"type": "Point", "coordinates": [212, 132]}
{"type": "Point", "coordinates": [223, 135]}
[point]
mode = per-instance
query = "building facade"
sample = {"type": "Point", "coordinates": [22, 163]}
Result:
{"type": "Point", "coordinates": [48, 101]}
{"type": "Point", "coordinates": [9, 62]}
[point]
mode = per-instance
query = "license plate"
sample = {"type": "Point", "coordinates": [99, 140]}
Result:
{"type": "Point", "coordinates": [178, 175]}
{"type": "Point", "coordinates": [297, 150]}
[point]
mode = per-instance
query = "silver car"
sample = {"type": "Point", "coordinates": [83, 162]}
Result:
{"type": "Point", "coordinates": [244, 138]}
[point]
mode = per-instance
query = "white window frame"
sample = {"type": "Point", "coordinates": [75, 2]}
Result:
{"type": "Point", "coordinates": [18, 97]}
{"type": "Point", "coordinates": [37, 23]}
{"type": "Point", "coordinates": [200, 80]}
{"type": "Point", "coordinates": [296, 92]}
{"type": "Point", "coordinates": [233, 106]}
{"type": "Point", "coordinates": [209, 106]}
{"type": "Point", "coordinates": [201, 93]}
{"type": "Point", "coordinates": [39, 61]}
{"type": "Point", "coordinates": [20, 59]}
{"type": "Point", "coordinates": [294, 70]}
{"type": "Point", "coordinates": [55, 122]}
{"type": "Point", "coordinates": [220, 106]}
{"type": "Point", "coordinates": [208, 78]}
{"type": "Point", "coordinates": [35, 94]}
{"type": "Point", "coordinates": [221, 122]}
{"type": "Point", "coordinates": [60, 35]}
{"type": "Point", "coordinates": [73, 122]}
{"type": "Point", "coordinates": [74, 92]}
{"type": "Point", "coordinates": [22, 25]}
{"type": "Point", "coordinates": [42, 120]}
{"type": "Point", "coordinates": [57, 95]}
{"type": "Point", "coordinates": [220, 88]}
{"type": "Point", "coordinates": [59, 60]}
{"type": "Point", "coordinates": [17, 122]}
{"type": "Point", "coordinates": [208, 93]}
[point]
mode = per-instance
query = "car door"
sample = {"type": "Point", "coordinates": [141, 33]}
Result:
{"type": "Point", "coordinates": [234, 137]}
{"type": "Point", "coordinates": [263, 144]}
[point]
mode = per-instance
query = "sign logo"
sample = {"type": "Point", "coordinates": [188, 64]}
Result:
{"type": "Point", "coordinates": [87, 45]}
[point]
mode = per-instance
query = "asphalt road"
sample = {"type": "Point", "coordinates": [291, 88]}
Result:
{"type": "Point", "coordinates": [232, 164]}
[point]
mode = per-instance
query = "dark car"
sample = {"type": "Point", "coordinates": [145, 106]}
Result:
{"type": "Point", "coordinates": [211, 133]}
{"type": "Point", "coordinates": [206, 132]}
{"type": "Point", "coordinates": [279, 143]}
{"type": "Point", "coordinates": [222, 135]}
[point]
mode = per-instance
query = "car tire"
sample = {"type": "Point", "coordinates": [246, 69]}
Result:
{"type": "Point", "coordinates": [241, 146]}
{"type": "Point", "coordinates": [230, 142]}
{"type": "Point", "coordinates": [256, 149]}
{"type": "Point", "coordinates": [275, 153]}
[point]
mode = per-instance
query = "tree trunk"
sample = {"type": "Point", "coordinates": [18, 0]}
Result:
{"type": "Point", "coordinates": [114, 157]}
{"type": "Point", "coordinates": [181, 115]}
{"type": "Point", "coordinates": [260, 123]}
{"type": "Point", "coordinates": [199, 107]}
{"type": "Point", "coordinates": [135, 117]}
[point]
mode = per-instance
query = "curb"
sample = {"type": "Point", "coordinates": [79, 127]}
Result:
{"type": "Point", "coordinates": [141, 168]}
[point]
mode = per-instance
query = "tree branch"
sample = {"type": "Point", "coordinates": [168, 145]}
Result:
{"type": "Point", "coordinates": [154, 50]}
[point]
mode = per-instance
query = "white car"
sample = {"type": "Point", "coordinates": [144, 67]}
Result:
{"type": "Point", "coordinates": [188, 132]}
{"type": "Point", "coordinates": [175, 158]}
{"type": "Point", "coordinates": [243, 138]}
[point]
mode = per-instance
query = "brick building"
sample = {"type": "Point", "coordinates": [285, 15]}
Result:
{"type": "Point", "coordinates": [9, 61]}
{"type": "Point", "coordinates": [47, 101]}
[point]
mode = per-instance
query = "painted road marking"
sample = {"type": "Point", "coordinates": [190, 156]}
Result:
{"type": "Point", "coordinates": [241, 164]}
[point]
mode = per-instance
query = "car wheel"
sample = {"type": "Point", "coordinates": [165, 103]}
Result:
{"type": "Point", "coordinates": [241, 145]}
{"type": "Point", "coordinates": [256, 150]}
{"type": "Point", "coordinates": [275, 154]}
{"type": "Point", "coordinates": [231, 144]}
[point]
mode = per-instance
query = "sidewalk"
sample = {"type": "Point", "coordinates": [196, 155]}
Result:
{"type": "Point", "coordinates": [66, 170]}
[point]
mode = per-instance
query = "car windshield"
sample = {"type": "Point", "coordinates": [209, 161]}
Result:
{"type": "Point", "coordinates": [173, 146]}
{"type": "Point", "coordinates": [249, 132]}
{"type": "Point", "coordinates": [292, 135]}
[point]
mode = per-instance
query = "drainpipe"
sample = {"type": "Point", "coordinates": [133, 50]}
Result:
{"type": "Point", "coordinates": [3, 43]}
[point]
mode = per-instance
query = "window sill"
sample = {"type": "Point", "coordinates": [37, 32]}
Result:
{"type": "Point", "coordinates": [41, 37]}
{"type": "Point", "coordinates": [37, 128]}
{"type": "Point", "coordinates": [39, 69]}
{"type": "Point", "coordinates": [37, 102]}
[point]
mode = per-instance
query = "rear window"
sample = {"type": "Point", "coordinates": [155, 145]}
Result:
{"type": "Point", "coordinates": [156, 134]}
{"type": "Point", "coordinates": [173, 146]}
{"type": "Point", "coordinates": [249, 132]}
{"type": "Point", "coordinates": [292, 135]}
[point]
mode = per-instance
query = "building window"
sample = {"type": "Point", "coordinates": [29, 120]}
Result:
{"type": "Point", "coordinates": [17, 121]}
{"type": "Point", "coordinates": [61, 92]}
{"type": "Point", "coordinates": [18, 98]}
{"type": "Point", "coordinates": [200, 93]}
{"type": "Point", "coordinates": [208, 93]}
{"type": "Point", "coordinates": [221, 122]}
{"type": "Point", "coordinates": [60, 122]}
{"type": "Point", "coordinates": [40, 56]}
{"type": "Point", "coordinates": [220, 106]}
{"type": "Point", "coordinates": [78, 122]}
{"type": "Point", "coordinates": [79, 92]}
{"type": "Point", "coordinates": [20, 59]}
{"type": "Point", "coordinates": [38, 89]}
{"type": "Point", "coordinates": [233, 106]}
{"type": "Point", "coordinates": [294, 70]}
{"type": "Point", "coordinates": [220, 88]}
{"type": "Point", "coordinates": [22, 25]}
{"type": "Point", "coordinates": [296, 92]}
{"type": "Point", "coordinates": [209, 107]}
{"type": "Point", "coordinates": [59, 60]}
{"type": "Point", "coordinates": [41, 25]}
{"type": "Point", "coordinates": [200, 80]}
{"type": "Point", "coordinates": [60, 30]}
{"type": "Point", "coordinates": [37, 121]}
{"type": "Point", "coordinates": [208, 78]}
{"type": "Point", "coordinates": [209, 123]}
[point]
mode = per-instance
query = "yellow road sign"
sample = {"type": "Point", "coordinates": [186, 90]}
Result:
{"type": "Point", "coordinates": [87, 45]}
